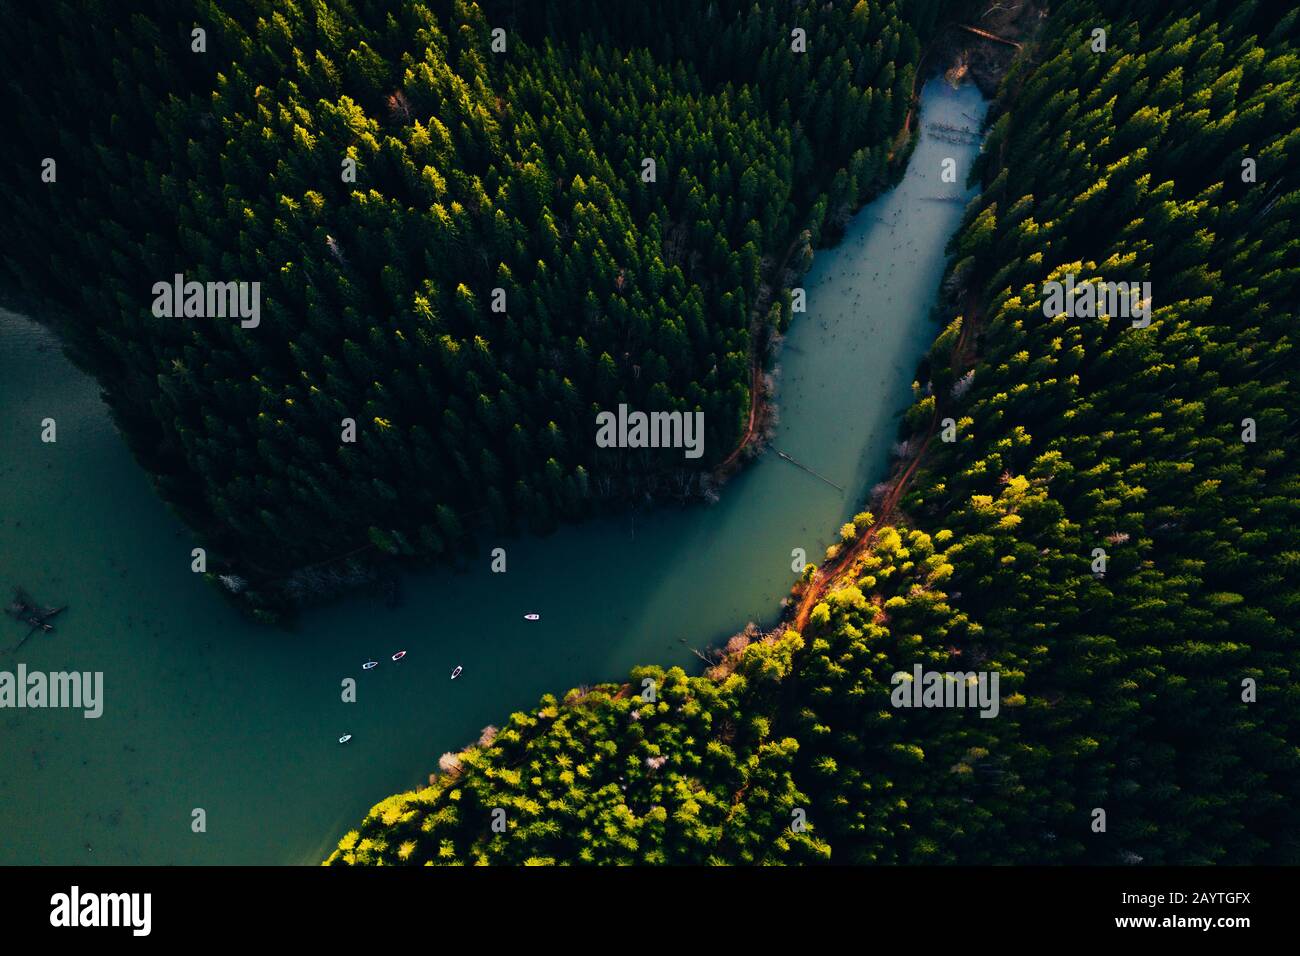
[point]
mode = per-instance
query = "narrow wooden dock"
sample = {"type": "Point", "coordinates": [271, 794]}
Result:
{"type": "Point", "coordinates": [798, 464]}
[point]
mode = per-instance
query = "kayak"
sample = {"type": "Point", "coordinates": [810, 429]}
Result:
{"type": "Point", "coordinates": [399, 655]}
{"type": "Point", "coordinates": [345, 738]}
{"type": "Point", "coordinates": [532, 617]}
{"type": "Point", "coordinates": [369, 664]}
{"type": "Point", "coordinates": [456, 672]}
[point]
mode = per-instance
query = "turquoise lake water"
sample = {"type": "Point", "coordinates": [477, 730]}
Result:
{"type": "Point", "coordinates": [203, 709]}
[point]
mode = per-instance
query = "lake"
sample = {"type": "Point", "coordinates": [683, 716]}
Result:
{"type": "Point", "coordinates": [204, 709]}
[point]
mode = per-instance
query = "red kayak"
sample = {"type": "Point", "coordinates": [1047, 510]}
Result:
{"type": "Point", "coordinates": [399, 655]}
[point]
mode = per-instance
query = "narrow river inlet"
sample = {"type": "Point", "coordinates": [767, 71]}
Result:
{"type": "Point", "coordinates": [204, 710]}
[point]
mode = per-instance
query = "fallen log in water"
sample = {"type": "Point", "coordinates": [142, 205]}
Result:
{"type": "Point", "coordinates": [26, 610]}
{"type": "Point", "coordinates": [990, 36]}
{"type": "Point", "coordinates": [799, 464]}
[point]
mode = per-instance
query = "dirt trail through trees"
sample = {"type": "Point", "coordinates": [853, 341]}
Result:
{"type": "Point", "coordinates": [963, 359]}
{"type": "Point", "coordinates": [756, 321]}
{"type": "Point", "coordinates": [824, 577]}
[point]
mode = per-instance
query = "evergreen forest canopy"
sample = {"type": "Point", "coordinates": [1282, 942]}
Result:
{"type": "Point", "coordinates": [1161, 689]}
{"type": "Point", "coordinates": [474, 171]}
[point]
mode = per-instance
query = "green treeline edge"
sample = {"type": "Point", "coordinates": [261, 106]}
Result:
{"type": "Point", "coordinates": [474, 171]}
{"type": "Point", "coordinates": [1162, 690]}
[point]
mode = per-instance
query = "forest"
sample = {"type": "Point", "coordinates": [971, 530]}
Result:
{"type": "Point", "coordinates": [1111, 531]}
{"type": "Point", "coordinates": [473, 227]}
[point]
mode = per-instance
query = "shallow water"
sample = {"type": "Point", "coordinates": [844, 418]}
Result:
{"type": "Point", "coordinates": [205, 710]}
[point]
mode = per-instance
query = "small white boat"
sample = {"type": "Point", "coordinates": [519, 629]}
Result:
{"type": "Point", "coordinates": [456, 672]}
{"type": "Point", "coordinates": [369, 664]}
{"type": "Point", "coordinates": [399, 655]}
{"type": "Point", "coordinates": [532, 617]}
{"type": "Point", "coordinates": [345, 738]}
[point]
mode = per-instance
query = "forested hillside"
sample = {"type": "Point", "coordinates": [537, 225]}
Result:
{"type": "Point", "coordinates": [1111, 532]}
{"type": "Point", "coordinates": [461, 249]}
